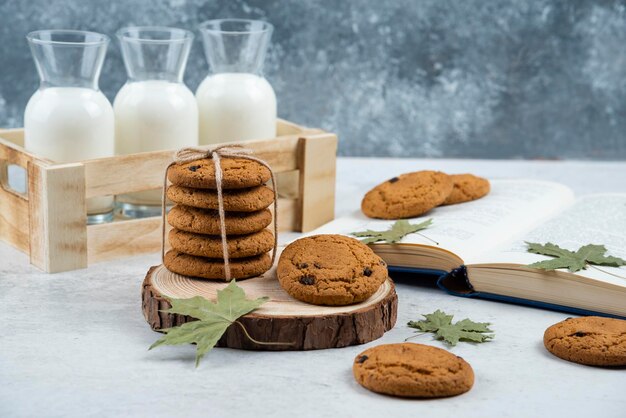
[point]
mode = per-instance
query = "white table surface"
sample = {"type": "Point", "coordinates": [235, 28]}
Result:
{"type": "Point", "coordinates": [75, 344]}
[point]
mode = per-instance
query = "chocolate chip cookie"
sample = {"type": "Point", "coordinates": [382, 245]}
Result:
{"type": "Point", "coordinates": [467, 187]}
{"type": "Point", "coordinates": [590, 340]}
{"type": "Point", "coordinates": [237, 200]}
{"type": "Point", "coordinates": [206, 221]}
{"type": "Point", "coordinates": [212, 268]}
{"type": "Point", "coordinates": [408, 195]}
{"type": "Point", "coordinates": [237, 173]}
{"type": "Point", "coordinates": [412, 370]}
{"type": "Point", "coordinates": [330, 270]}
{"type": "Point", "coordinates": [239, 246]}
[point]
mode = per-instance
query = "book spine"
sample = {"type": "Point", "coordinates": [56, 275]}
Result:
{"type": "Point", "coordinates": [456, 282]}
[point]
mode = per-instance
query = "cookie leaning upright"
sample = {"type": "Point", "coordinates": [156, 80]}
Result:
{"type": "Point", "coordinates": [412, 370]}
{"type": "Point", "coordinates": [408, 195]}
{"type": "Point", "coordinates": [591, 340]}
{"type": "Point", "coordinates": [196, 240]}
{"type": "Point", "coordinates": [330, 270]}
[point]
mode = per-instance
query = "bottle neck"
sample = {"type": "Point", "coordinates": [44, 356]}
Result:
{"type": "Point", "coordinates": [68, 58]}
{"type": "Point", "coordinates": [155, 53]}
{"type": "Point", "coordinates": [235, 45]}
{"type": "Point", "coordinates": [134, 77]}
{"type": "Point", "coordinates": [54, 81]}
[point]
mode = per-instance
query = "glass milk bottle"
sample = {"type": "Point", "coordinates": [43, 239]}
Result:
{"type": "Point", "coordinates": [235, 102]}
{"type": "Point", "coordinates": [154, 110]}
{"type": "Point", "coordinates": [68, 119]}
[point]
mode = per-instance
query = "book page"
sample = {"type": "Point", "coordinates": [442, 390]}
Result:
{"type": "Point", "coordinates": [472, 228]}
{"type": "Point", "coordinates": [594, 219]}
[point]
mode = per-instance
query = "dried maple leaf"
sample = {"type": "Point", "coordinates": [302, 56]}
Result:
{"type": "Point", "coordinates": [213, 318]}
{"type": "Point", "coordinates": [573, 261]}
{"type": "Point", "coordinates": [441, 325]}
{"type": "Point", "coordinates": [395, 233]}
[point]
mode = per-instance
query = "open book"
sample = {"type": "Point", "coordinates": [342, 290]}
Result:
{"type": "Point", "coordinates": [481, 249]}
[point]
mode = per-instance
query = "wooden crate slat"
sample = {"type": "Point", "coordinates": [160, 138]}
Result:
{"type": "Point", "coordinates": [288, 184]}
{"type": "Point", "coordinates": [140, 236]}
{"type": "Point", "coordinates": [287, 217]}
{"type": "Point", "coordinates": [284, 127]}
{"type": "Point", "coordinates": [13, 217]}
{"type": "Point", "coordinates": [58, 233]}
{"type": "Point", "coordinates": [123, 238]}
{"type": "Point", "coordinates": [15, 154]}
{"type": "Point", "coordinates": [15, 136]}
{"type": "Point", "coordinates": [14, 206]}
{"type": "Point", "coordinates": [145, 170]}
{"type": "Point", "coordinates": [317, 180]}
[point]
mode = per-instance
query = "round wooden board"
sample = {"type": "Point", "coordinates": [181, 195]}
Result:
{"type": "Point", "coordinates": [282, 318]}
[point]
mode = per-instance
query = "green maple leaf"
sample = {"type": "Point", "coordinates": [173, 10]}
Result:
{"type": "Point", "coordinates": [441, 325]}
{"type": "Point", "coordinates": [397, 231]}
{"type": "Point", "coordinates": [573, 261]}
{"type": "Point", "coordinates": [213, 318]}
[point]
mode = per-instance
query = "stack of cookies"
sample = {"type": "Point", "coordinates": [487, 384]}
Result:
{"type": "Point", "coordinates": [195, 238]}
{"type": "Point", "coordinates": [413, 194]}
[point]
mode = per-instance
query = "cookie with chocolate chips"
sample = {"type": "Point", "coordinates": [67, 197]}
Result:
{"type": "Point", "coordinates": [330, 270]}
{"type": "Point", "coordinates": [237, 173]}
{"type": "Point", "coordinates": [591, 340]}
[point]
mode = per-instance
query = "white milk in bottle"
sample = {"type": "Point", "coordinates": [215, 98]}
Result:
{"type": "Point", "coordinates": [236, 107]}
{"type": "Point", "coordinates": [154, 110]}
{"type": "Point", "coordinates": [68, 124]}
{"type": "Point", "coordinates": [235, 102]}
{"type": "Point", "coordinates": [154, 115]}
{"type": "Point", "coordinates": [68, 119]}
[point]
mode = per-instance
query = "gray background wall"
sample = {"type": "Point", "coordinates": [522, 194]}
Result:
{"type": "Point", "coordinates": [464, 78]}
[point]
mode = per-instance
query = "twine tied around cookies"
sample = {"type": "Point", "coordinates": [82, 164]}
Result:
{"type": "Point", "coordinates": [187, 155]}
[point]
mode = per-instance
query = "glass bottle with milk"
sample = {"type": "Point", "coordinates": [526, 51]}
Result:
{"type": "Point", "coordinates": [235, 101]}
{"type": "Point", "coordinates": [154, 110]}
{"type": "Point", "coordinates": [68, 119]}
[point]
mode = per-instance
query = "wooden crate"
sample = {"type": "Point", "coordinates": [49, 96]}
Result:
{"type": "Point", "coordinates": [48, 222]}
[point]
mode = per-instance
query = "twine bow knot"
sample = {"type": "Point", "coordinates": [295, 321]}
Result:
{"type": "Point", "coordinates": [189, 154]}
{"type": "Point", "coordinates": [186, 155]}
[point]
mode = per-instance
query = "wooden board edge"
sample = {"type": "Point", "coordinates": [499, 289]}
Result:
{"type": "Point", "coordinates": [305, 333]}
